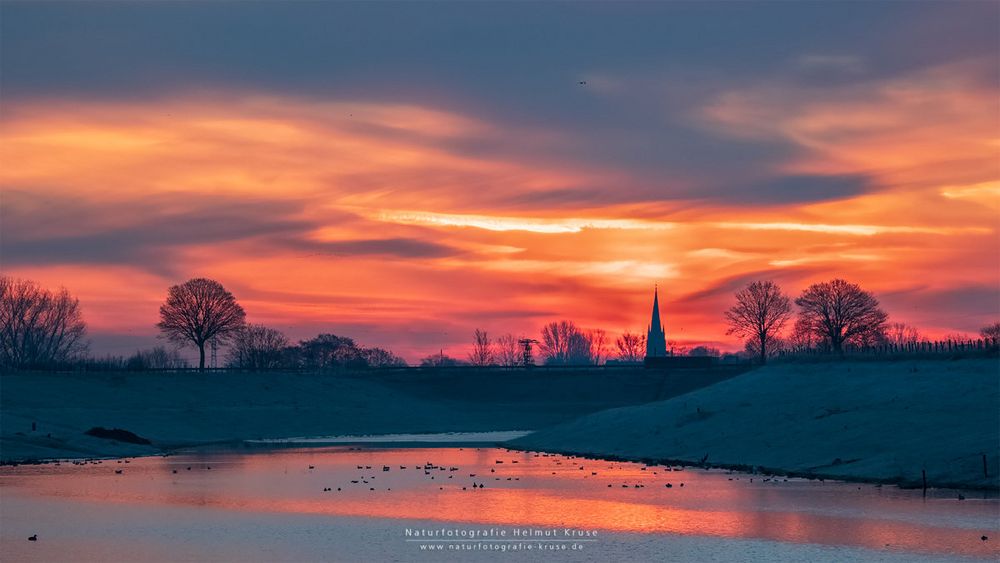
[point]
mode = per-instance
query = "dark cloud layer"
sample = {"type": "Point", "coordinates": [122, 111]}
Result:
{"type": "Point", "coordinates": [398, 247]}
{"type": "Point", "coordinates": [514, 50]}
{"type": "Point", "coordinates": [647, 66]}
{"type": "Point", "coordinates": [149, 232]}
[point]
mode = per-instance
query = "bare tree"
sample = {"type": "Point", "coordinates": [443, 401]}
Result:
{"type": "Point", "coordinates": [563, 343]}
{"type": "Point", "coordinates": [760, 312]}
{"type": "Point", "coordinates": [902, 335]}
{"type": "Point", "coordinates": [773, 346]}
{"type": "Point", "coordinates": [840, 312]}
{"type": "Point", "coordinates": [257, 347]}
{"type": "Point", "coordinates": [631, 347]}
{"type": "Point", "coordinates": [482, 349]}
{"type": "Point", "coordinates": [675, 348]}
{"type": "Point", "coordinates": [874, 336]}
{"type": "Point", "coordinates": [554, 346]}
{"type": "Point", "coordinates": [157, 357]}
{"type": "Point", "coordinates": [598, 339]}
{"type": "Point", "coordinates": [957, 337]}
{"type": "Point", "coordinates": [381, 358]}
{"type": "Point", "coordinates": [705, 351]}
{"type": "Point", "coordinates": [802, 338]}
{"type": "Point", "coordinates": [197, 311]}
{"type": "Point", "coordinates": [991, 332]}
{"type": "Point", "coordinates": [37, 326]}
{"type": "Point", "coordinates": [509, 352]}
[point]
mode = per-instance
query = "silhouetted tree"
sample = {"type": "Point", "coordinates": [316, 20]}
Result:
{"type": "Point", "coordinates": [991, 332]}
{"type": "Point", "coordinates": [802, 337]}
{"type": "Point", "coordinates": [330, 351]}
{"type": "Point", "coordinates": [631, 347]}
{"type": "Point", "coordinates": [509, 352]}
{"type": "Point", "coordinates": [157, 357]}
{"type": "Point", "coordinates": [874, 336]}
{"type": "Point", "coordinates": [482, 349]}
{"type": "Point", "coordinates": [703, 351]}
{"type": "Point", "coordinates": [37, 326]}
{"type": "Point", "coordinates": [957, 337]}
{"type": "Point", "coordinates": [773, 346]}
{"type": "Point", "coordinates": [381, 358]}
{"type": "Point", "coordinates": [675, 348]}
{"type": "Point", "coordinates": [564, 344]}
{"type": "Point", "coordinates": [598, 340]}
{"type": "Point", "coordinates": [839, 311]}
{"type": "Point", "coordinates": [760, 312]}
{"type": "Point", "coordinates": [198, 311]}
{"type": "Point", "coordinates": [257, 347]}
{"type": "Point", "coordinates": [579, 350]}
{"type": "Point", "coordinates": [901, 334]}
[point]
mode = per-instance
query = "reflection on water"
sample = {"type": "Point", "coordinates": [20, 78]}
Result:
{"type": "Point", "coordinates": [489, 486]}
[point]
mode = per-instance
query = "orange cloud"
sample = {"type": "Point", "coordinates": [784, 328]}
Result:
{"type": "Point", "coordinates": [365, 219]}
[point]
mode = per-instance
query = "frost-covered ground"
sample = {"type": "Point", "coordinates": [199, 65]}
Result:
{"type": "Point", "coordinates": [180, 409]}
{"type": "Point", "coordinates": [878, 421]}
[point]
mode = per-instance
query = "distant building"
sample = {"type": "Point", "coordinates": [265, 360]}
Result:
{"type": "Point", "coordinates": [656, 339]}
{"type": "Point", "coordinates": [657, 356]}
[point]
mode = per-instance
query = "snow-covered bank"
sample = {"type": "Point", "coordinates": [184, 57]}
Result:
{"type": "Point", "coordinates": [873, 421]}
{"type": "Point", "coordinates": [175, 410]}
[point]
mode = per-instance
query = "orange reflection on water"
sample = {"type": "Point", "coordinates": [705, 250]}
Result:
{"type": "Point", "coordinates": [543, 492]}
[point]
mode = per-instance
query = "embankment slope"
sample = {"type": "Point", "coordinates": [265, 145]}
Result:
{"type": "Point", "coordinates": [185, 409]}
{"type": "Point", "coordinates": [872, 421]}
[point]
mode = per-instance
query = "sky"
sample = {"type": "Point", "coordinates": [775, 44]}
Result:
{"type": "Point", "coordinates": [404, 173]}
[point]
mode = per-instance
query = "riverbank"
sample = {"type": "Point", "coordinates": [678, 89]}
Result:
{"type": "Point", "coordinates": [46, 415]}
{"type": "Point", "coordinates": [882, 422]}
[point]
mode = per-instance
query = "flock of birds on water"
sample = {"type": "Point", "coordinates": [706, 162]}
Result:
{"type": "Point", "coordinates": [431, 469]}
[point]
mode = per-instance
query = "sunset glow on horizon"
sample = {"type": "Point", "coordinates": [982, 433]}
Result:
{"type": "Point", "coordinates": [411, 216]}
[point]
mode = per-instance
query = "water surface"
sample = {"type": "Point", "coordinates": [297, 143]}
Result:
{"type": "Point", "coordinates": [461, 504]}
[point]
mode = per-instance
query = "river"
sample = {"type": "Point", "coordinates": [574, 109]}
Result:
{"type": "Point", "coordinates": [378, 502]}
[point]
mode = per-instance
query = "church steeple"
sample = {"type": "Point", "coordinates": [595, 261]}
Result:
{"type": "Point", "coordinates": [656, 340]}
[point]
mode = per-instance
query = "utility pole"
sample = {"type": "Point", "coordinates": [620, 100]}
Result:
{"type": "Point", "coordinates": [526, 357]}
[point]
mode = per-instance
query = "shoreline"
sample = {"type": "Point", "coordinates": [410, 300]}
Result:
{"type": "Point", "coordinates": [370, 441]}
{"type": "Point", "coordinates": [764, 471]}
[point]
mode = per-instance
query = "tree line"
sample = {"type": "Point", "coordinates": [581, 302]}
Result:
{"type": "Point", "coordinates": [832, 316]}
{"type": "Point", "coordinates": [43, 328]}
{"type": "Point", "coordinates": [562, 343]}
